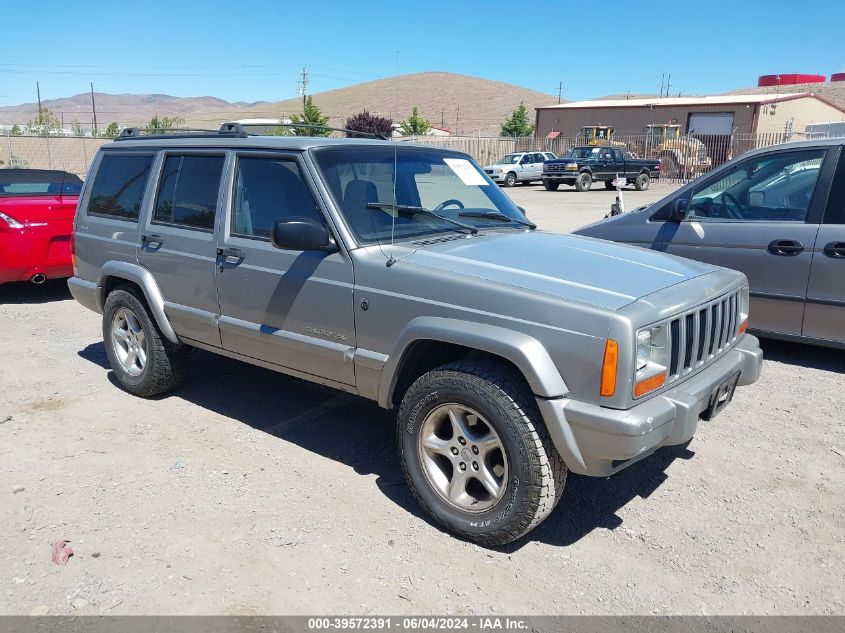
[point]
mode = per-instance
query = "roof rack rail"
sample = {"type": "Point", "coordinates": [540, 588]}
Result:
{"type": "Point", "coordinates": [309, 126]}
{"type": "Point", "coordinates": [227, 129]}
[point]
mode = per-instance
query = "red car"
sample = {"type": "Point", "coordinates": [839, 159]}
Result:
{"type": "Point", "coordinates": [36, 224]}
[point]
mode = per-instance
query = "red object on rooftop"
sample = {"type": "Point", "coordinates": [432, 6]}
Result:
{"type": "Point", "coordinates": [837, 77]}
{"type": "Point", "coordinates": [789, 79]}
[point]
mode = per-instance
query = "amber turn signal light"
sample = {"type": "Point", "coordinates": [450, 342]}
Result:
{"type": "Point", "coordinates": [649, 384]}
{"type": "Point", "coordinates": [743, 326]}
{"type": "Point", "coordinates": [608, 369]}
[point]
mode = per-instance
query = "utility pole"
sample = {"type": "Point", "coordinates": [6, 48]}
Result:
{"type": "Point", "coordinates": [559, 91]}
{"type": "Point", "coordinates": [443, 117]}
{"type": "Point", "coordinates": [38, 90]}
{"type": "Point", "coordinates": [668, 80]}
{"type": "Point", "coordinates": [303, 84]}
{"type": "Point", "coordinates": [457, 118]}
{"type": "Point", "coordinates": [94, 108]}
{"type": "Point", "coordinates": [662, 82]}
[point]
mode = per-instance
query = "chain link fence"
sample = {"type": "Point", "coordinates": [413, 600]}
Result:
{"type": "Point", "coordinates": [681, 158]}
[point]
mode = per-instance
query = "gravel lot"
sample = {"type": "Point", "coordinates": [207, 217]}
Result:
{"type": "Point", "coordinates": [250, 492]}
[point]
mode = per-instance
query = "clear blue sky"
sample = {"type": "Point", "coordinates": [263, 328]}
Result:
{"type": "Point", "coordinates": [254, 49]}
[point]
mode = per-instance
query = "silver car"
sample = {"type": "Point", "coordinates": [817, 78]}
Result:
{"type": "Point", "coordinates": [523, 167]}
{"type": "Point", "coordinates": [776, 214]}
{"type": "Point", "coordinates": [404, 275]}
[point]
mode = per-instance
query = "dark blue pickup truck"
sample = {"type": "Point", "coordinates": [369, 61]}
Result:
{"type": "Point", "coordinates": [584, 165]}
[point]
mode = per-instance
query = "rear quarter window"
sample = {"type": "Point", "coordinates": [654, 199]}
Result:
{"type": "Point", "coordinates": [118, 187]}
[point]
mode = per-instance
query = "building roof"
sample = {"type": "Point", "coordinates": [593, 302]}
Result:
{"type": "Point", "coordinates": [752, 99]}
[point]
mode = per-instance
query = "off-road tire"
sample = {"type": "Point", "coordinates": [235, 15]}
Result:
{"type": "Point", "coordinates": [584, 182]}
{"type": "Point", "coordinates": [642, 182]}
{"type": "Point", "coordinates": [510, 179]}
{"type": "Point", "coordinates": [536, 472]}
{"type": "Point", "coordinates": [165, 364]}
{"type": "Point", "coordinates": [551, 185]}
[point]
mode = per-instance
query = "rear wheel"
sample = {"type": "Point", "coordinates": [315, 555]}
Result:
{"type": "Point", "coordinates": [584, 182]}
{"type": "Point", "coordinates": [642, 182]}
{"type": "Point", "coordinates": [551, 185]}
{"type": "Point", "coordinates": [144, 362]}
{"type": "Point", "coordinates": [510, 179]}
{"type": "Point", "coordinates": [476, 453]}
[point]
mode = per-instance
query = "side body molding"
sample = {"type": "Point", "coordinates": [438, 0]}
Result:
{"type": "Point", "coordinates": [524, 351]}
{"type": "Point", "coordinates": [144, 279]}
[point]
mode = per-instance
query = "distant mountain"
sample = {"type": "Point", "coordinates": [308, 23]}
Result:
{"type": "Point", "coordinates": [126, 109]}
{"type": "Point", "coordinates": [468, 105]}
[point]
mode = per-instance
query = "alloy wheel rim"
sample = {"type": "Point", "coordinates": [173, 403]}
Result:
{"type": "Point", "coordinates": [129, 342]}
{"type": "Point", "coordinates": [463, 458]}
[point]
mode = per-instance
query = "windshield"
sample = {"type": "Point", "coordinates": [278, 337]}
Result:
{"type": "Point", "coordinates": [445, 182]}
{"type": "Point", "coordinates": [36, 182]}
{"type": "Point", "coordinates": [509, 159]}
{"type": "Point", "coordinates": [583, 152]}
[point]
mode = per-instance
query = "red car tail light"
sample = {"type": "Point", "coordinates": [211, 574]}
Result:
{"type": "Point", "coordinates": [9, 223]}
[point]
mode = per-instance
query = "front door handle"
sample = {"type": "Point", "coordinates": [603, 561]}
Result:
{"type": "Point", "coordinates": [231, 255]}
{"type": "Point", "coordinates": [786, 248]}
{"type": "Point", "coordinates": [835, 250]}
{"type": "Point", "coordinates": [152, 240]}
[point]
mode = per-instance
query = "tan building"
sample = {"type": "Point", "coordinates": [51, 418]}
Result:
{"type": "Point", "coordinates": [716, 115]}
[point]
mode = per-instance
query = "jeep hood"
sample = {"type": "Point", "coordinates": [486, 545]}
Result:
{"type": "Point", "coordinates": [596, 272]}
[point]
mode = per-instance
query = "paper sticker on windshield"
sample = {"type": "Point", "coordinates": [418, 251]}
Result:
{"type": "Point", "coordinates": [464, 169]}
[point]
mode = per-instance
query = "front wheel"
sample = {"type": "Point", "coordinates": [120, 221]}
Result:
{"type": "Point", "coordinates": [584, 182]}
{"type": "Point", "coordinates": [642, 182]}
{"type": "Point", "coordinates": [476, 453]}
{"type": "Point", "coordinates": [510, 179]}
{"type": "Point", "coordinates": [551, 185]}
{"type": "Point", "coordinates": [144, 362]}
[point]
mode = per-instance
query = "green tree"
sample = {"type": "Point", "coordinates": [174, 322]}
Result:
{"type": "Point", "coordinates": [44, 124]}
{"type": "Point", "coordinates": [76, 128]}
{"type": "Point", "coordinates": [158, 124]}
{"type": "Point", "coordinates": [311, 115]}
{"type": "Point", "coordinates": [414, 125]}
{"type": "Point", "coordinates": [16, 130]}
{"type": "Point", "coordinates": [517, 124]}
{"type": "Point", "coordinates": [112, 130]}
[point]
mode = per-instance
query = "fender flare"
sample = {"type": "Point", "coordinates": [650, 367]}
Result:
{"type": "Point", "coordinates": [524, 351]}
{"type": "Point", "coordinates": [144, 279]}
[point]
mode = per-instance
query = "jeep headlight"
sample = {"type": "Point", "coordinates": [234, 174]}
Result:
{"type": "Point", "coordinates": [652, 359]}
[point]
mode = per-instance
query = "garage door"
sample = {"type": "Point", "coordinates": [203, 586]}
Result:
{"type": "Point", "coordinates": [711, 123]}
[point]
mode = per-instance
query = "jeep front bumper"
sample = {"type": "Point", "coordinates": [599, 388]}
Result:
{"type": "Point", "coordinates": [597, 441]}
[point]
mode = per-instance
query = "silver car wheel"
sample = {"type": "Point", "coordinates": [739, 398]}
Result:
{"type": "Point", "coordinates": [129, 342]}
{"type": "Point", "coordinates": [463, 458]}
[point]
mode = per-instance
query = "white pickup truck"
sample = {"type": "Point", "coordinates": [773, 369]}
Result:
{"type": "Point", "coordinates": [519, 167]}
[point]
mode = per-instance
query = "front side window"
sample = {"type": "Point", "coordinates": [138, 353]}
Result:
{"type": "Point", "coordinates": [118, 187]}
{"type": "Point", "coordinates": [187, 194]}
{"type": "Point", "coordinates": [268, 190]}
{"type": "Point", "coordinates": [773, 188]}
{"type": "Point", "coordinates": [528, 158]}
{"type": "Point", "coordinates": [360, 179]}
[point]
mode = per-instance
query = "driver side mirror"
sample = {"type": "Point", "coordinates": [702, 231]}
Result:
{"type": "Point", "coordinates": [302, 234]}
{"type": "Point", "coordinates": [679, 210]}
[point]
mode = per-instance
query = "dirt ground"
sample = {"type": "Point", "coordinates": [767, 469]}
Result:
{"type": "Point", "coordinates": [246, 492]}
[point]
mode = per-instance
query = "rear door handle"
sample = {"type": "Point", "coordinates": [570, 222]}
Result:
{"type": "Point", "coordinates": [152, 239]}
{"type": "Point", "coordinates": [786, 248]}
{"type": "Point", "coordinates": [835, 250]}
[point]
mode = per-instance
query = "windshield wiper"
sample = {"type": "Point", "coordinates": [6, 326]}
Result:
{"type": "Point", "coordinates": [495, 215]}
{"type": "Point", "coordinates": [412, 210]}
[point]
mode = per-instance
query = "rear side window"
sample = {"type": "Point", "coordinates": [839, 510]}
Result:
{"type": "Point", "coordinates": [119, 186]}
{"type": "Point", "coordinates": [187, 195]}
{"type": "Point", "coordinates": [835, 213]}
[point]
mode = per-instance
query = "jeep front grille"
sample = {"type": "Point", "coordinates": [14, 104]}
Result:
{"type": "Point", "coordinates": [699, 336]}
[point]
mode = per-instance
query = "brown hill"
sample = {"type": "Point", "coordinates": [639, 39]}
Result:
{"type": "Point", "coordinates": [462, 104]}
{"type": "Point", "coordinates": [831, 90]}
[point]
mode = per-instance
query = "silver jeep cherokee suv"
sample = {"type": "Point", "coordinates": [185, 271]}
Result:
{"type": "Point", "coordinates": [403, 274]}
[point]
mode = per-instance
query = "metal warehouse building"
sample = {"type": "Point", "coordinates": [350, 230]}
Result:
{"type": "Point", "coordinates": [714, 116]}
